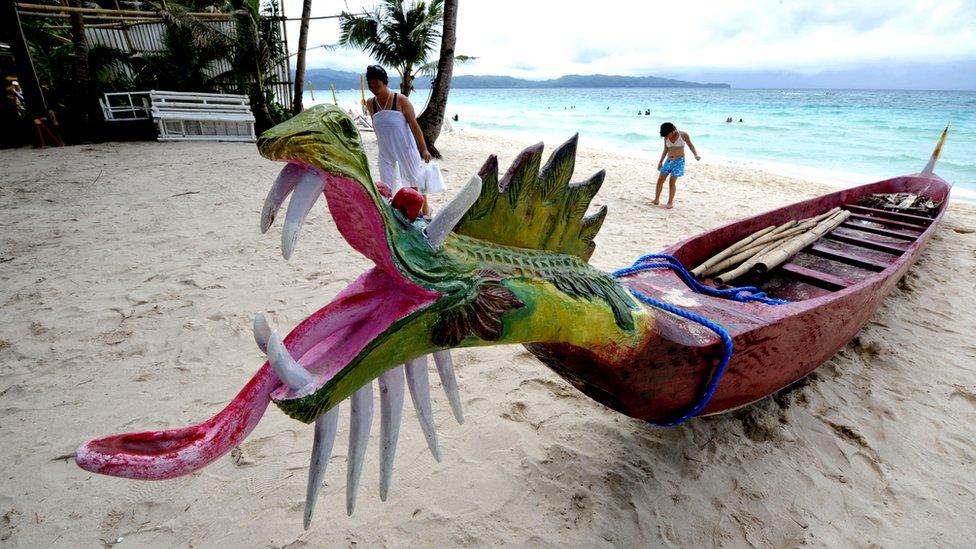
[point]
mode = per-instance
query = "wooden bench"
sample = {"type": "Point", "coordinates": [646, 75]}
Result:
{"type": "Point", "coordinates": [125, 106]}
{"type": "Point", "coordinates": [182, 116]}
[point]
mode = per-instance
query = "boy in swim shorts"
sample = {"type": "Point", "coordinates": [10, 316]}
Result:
{"type": "Point", "coordinates": [672, 161]}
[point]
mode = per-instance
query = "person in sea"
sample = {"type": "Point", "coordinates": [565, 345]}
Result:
{"type": "Point", "coordinates": [672, 161]}
{"type": "Point", "coordinates": [400, 140]}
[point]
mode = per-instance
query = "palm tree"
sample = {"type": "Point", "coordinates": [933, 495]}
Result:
{"type": "Point", "coordinates": [252, 51]}
{"type": "Point", "coordinates": [300, 62]}
{"type": "Point", "coordinates": [396, 35]}
{"type": "Point", "coordinates": [432, 118]}
{"type": "Point", "coordinates": [185, 64]}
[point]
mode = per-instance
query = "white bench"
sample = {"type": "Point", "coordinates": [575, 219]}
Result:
{"type": "Point", "coordinates": [125, 106]}
{"type": "Point", "coordinates": [182, 116]}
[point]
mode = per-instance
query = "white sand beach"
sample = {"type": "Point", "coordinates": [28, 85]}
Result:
{"type": "Point", "coordinates": [129, 276]}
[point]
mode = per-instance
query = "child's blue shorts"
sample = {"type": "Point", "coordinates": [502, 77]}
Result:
{"type": "Point", "coordinates": [674, 166]}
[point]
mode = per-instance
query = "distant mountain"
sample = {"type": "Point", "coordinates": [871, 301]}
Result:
{"type": "Point", "coordinates": [344, 80]}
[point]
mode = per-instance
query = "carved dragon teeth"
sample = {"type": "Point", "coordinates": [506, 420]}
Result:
{"type": "Point", "coordinates": [418, 381]}
{"type": "Point", "coordinates": [325, 431]}
{"type": "Point", "coordinates": [445, 369]}
{"type": "Point", "coordinates": [280, 189]}
{"type": "Point", "coordinates": [262, 332]}
{"type": "Point", "coordinates": [308, 189]}
{"type": "Point", "coordinates": [288, 370]}
{"type": "Point", "coordinates": [360, 420]}
{"type": "Point", "coordinates": [449, 216]}
{"type": "Point", "coordinates": [391, 415]}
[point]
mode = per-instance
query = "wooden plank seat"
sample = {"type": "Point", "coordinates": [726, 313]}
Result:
{"type": "Point", "coordinates": [888, 222]}
{"type": "Point", "coordinates": [847, 257]}
{"type": "Point", "coordinates": [899, 216]}
{"type": "Point", "coordinates": [181, 116]}
{"type": "Point", "coordinates": [871, 244]}
{"type": "Point", "coordinates": [901, 235]}
{"type": "Point", "coordinates": [824, 280]}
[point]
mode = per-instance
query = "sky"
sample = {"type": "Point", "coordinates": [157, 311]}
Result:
{"type": "Point", "coordinates": [920, 44]}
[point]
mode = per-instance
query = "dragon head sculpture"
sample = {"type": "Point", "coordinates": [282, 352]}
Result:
{"type": "Point", "coordinates": [504, 262]}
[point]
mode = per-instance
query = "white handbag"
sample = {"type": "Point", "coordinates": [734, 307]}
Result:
{"type": "Point", "coordinates": [434, 179]}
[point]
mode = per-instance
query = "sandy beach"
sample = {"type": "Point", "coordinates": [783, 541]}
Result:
{"type": "Point", "coordinates": [129, 276]}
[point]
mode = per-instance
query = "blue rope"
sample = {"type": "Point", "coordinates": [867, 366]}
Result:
{"type": "Point", "coordinates": [722, 365]}
{"type": "Point", "coordinates": [741, 294]}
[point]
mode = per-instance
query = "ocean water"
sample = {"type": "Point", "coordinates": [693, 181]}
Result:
{"type": "Point", "coordinates": [844, 137]}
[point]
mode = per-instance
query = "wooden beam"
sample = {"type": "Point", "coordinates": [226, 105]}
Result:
{"type": "Point", "coordinates": [886, 247]}
{"type": "Point", "coordinates": [103, 11]}
{"type": "Point", "coordinates": [847, 257]}
{"type": "Point", "coordinates": [888, 222]}
{"type": "Point", "coordinates": [901, 235]}
{"type": "Point", "coordinates": [898, 216]}
{"type": "Point", "coordinates": [820, 279]}
{"type": "Point", "coordinates": [27, 77]}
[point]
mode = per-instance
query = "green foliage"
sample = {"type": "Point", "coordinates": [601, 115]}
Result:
{"type": "Point", "coordinates": [54, 57]}
{"type": "Point", "coordinates": [187, 62]}
{"type": "Point", "coordinates": [396, 35]}
{"type": "Point", "coordinates": [196, 48]}
{"type": "Point", "coordinates": [430, 68]}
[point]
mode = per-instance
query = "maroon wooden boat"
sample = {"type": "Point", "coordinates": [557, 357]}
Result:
{"type": "Point", "coordinates": [834, 286]}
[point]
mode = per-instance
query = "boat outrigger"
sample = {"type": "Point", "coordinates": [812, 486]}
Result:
{"type": "Point", "coordinates": [506, 262]}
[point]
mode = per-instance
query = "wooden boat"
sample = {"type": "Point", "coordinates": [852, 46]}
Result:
{"type": "Point", "coordinates": [506, 262]}
{"type": "Point", "coordinates": [834, 287]}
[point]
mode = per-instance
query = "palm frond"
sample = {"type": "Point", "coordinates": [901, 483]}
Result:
{"type": "Point", "coordinates": [430, 68]}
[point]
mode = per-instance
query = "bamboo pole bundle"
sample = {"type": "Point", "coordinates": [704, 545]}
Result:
{"type": "Point", "coordinates": [760, 245]}
{"type": "Point", "coordinates": [775, 258]}
{"type": "Point", "coordinates": [784, 250]}
{"type": "Point", "coordinates": [745, 255]}
{"type": "Point", "coordinates": [739, 252]}
{"type": "Point", "coordinates": [738, 249]}
{"type": "Point", "coordinates": [730, 250]}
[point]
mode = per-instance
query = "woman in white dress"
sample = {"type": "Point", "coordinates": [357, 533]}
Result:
{"type": "Point", "coordinates": [400, 140]}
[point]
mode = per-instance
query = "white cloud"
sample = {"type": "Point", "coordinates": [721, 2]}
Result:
{"type": "Point", "coordinates": [546, 39]}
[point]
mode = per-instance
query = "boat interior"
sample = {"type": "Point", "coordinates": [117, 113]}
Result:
{"type": "Point", "coordinates": [869, 241]}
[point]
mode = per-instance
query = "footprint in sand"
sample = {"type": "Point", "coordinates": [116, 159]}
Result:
{"type": "Point", "coordinates": [115, 337]}
{"type": "Point", "coordinates": [152, 491]}
{"type": "Point", "coordinates": [960, 392]}
{"type": "Point", "coordinates": [267, 477]}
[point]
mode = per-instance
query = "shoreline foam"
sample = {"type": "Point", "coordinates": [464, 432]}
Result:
{"type": "Point", "coordinates": [833, 178]}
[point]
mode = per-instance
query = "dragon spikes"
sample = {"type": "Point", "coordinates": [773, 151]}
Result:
{"type": "Point", "coordinates": [536, 208]}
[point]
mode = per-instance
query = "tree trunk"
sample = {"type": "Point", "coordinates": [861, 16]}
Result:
{"type": "Point", "coordinates": [81, 46]}
{"type": "Point", "coordinates": [300, 62]}
{"type": "Point", "coordinates": [406, 81]}
{"type": "Point", "coordinates": [82, 106]}
{"type": "Point", "coordinates": [432, 118]}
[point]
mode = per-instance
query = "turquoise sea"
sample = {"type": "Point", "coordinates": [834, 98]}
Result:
{"type": "Point", "coordinates": [839, 136]}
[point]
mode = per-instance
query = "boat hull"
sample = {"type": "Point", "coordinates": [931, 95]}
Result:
{"type": "Point", "coordinates": [774, 345]}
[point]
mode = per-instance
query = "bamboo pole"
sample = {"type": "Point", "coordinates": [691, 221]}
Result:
{"type": "Point", "coordinates": [774, 258]}
{"type": "Point", "coordinates": [27, 7]}
{"type": "Point", "coordinates": [760, 244]}
{"type": "Point", "coordinates": [786, 230]}
{"type": "Point", "coordinates": [731, 249]}
{"type": "Point", "coordinates": [743, 255]}
{"type": "Point", "coordinates": [784, 250]}
{"type": "Point", "coordinates": [704, 269]}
